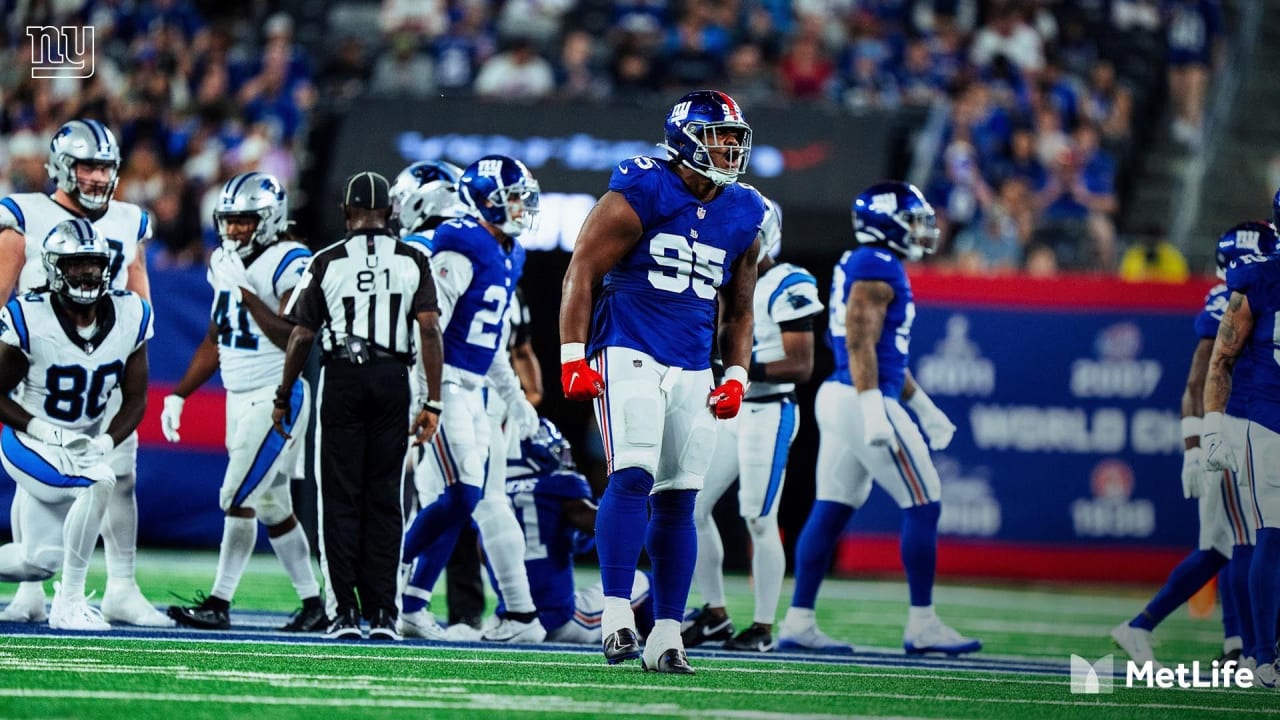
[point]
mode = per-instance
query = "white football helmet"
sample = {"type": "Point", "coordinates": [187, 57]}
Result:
{"type": "Point", "coordinates": [87, 141]}
{"type": "Point", "coordinates": [76, 261]}
{"type": "Point", "coordinates": [426, 190]}
{"type": "Point", "coordinates": [258, 194]}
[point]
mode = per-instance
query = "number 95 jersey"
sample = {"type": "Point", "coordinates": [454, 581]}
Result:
{"type": "Point", "coordinates": [70, 377]}
{"type": "Point", "coordinates": [660, 298]}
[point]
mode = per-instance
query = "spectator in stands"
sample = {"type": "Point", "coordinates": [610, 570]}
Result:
{"type": "Point", "coordinates": [692, 56]}
{"type": "Point", "coordinates": [459, 52]}
{"type": "Point", "coordinates": [344, 77]}
{"type": "Point", "coordinates": [1192, 33]}
{"type": "Point", "coordinates": [423, 19]}
{"type": "Point", "coordinates": [176, 227]}
{"type": "Point", "coordinates": [538, 20]}
{"type": "Point", "coordinates": [919, 81]}
{"type": "Point", "coordinates": [805, 72]}
{"type": "Point", "coordinates": [27, 154]}
{"type": "Point", "coordinates": [1022, 162]}
{"type": "Point", "coordinates": [1153, 259]}
{"type": "Point", "coordinates": [633, 76]}
{"type": "Point", "coordinates": [578, 75]}
{"type": "Point", "coordinates": [999, 239]}
{"type": "Point", "coordinates": [402, 71]}
{"type": "Point", "coordinates": [1108, 103]}
{"type": "Point", "coordinates": [1008, 34]}
{"type": "Point", "coordinates": [520, 73]}
{"type": "Point", "coordinates": [1076, 203]}
{"type": "Point", "coordinates": [749, 80]}
{"type": "Point", "coordinates": [1041, 262]}
{"type": "Point", "coordinates": [141, 181]}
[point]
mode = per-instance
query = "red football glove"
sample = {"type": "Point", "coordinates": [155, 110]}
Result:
{"type": "Point", "coordinates": [726, 400]}
{"type": "Point", "coordinates": [579, 380]}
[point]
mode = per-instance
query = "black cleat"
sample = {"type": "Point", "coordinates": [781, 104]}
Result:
{"type": "Point", "coordinates": [699, 627]}
{"type": "Point", "coordinates": [673, 661]}
{"type": "Point", "coordinates": [753, 639]}
{"type": "Point", "coordinates": [1226, 657]}
{"type": "Point", "coordinates": [382, 626]}
{"type": "Point", "coordinates": [205, 613]}
{"type": "Point", "coordinates": [346, 626]}
{"type": "Point", "coordinates": [621, 646]}
{"type": "Point", "coordinates": [308, 618]}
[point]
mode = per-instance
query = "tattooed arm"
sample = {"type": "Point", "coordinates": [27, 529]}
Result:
{"type": "Point", "coordinates": [1233, 332]}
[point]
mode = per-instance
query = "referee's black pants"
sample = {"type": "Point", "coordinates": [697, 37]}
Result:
{"type": "Point", "coordinates": [362, 440]}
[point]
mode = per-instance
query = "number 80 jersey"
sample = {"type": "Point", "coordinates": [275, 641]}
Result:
{"type": "Point", "coordinates": [660, 298]}
{"type": "Point", "coordinates": [70, 377]}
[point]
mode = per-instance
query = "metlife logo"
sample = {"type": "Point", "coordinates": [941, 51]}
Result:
{"type": "Point", "coordinates": [1099, 678]}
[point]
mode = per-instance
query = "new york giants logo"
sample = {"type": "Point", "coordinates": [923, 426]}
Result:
{"type": "Point", "coordinates": [884, 203]}
{"type": "Point", "coordinates": [65, 52]}
{"type": "Point", "coordinates": [490, 168]}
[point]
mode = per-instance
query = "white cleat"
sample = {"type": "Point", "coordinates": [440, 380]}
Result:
{"type": "Point", "coordinates": [462, 632]}
{"type": "Point", "coordinates": [74, 613]}
{"type": "Point", "coordinates": [27, 605]}
{"type": "Point", "coordinates": [1136, 642]}
{"type": "Point", "coordinates": [124, 603]}
{"type": "Point", "coordinates": [421, 624]}
{"type": "Point", "coordinates": [936, 636]}
{"type": "Point", "coordinates": [514, 631]}
{"type": "Point", "coordinates": [809, 638]}
{"type": "Point", "coordinates": [1266, 676]}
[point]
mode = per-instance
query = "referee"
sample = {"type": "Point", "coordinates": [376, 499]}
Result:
{"type": "Point", "coordinates": [361, 296]}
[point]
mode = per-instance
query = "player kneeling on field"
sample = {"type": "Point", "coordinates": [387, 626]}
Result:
{"type": "Point", "coordinates": [71, 345]}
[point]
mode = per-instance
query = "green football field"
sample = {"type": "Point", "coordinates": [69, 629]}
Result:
{"type": "Point", "coordinates": [1030, 633]}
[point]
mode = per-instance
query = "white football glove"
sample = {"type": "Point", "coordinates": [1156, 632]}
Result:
{"type": "Point", "coordinates": [1218, 455]}
{"type": "Point", "coordinates": [171, 417]}
{"type": "Point", "coordinates": [933, 421]}
{"type": "Point", "coordinates": [228, 271]}
{"type": "Point", "coordinates": [523, 418]}
{"type": "Point", "coordinates": [876, 428]}
{"type": "Point", "coordinates": [1193, 471]}
{"type": "Point", "coordinates": [93, 451]}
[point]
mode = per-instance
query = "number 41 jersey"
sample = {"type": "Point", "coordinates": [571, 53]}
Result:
{"type": "Point", "coordinates": [660, 298]}
{"type": "Point", "coordinates": [70, 377]}
{"type": "Point", "coordinates": [246, 358]}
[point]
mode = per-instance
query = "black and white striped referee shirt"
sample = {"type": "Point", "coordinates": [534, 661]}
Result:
{"type": "Point", "coordinates": [369, 285]}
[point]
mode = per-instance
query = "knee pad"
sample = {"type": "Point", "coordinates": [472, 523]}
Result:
{"type": "Point", "coordinates": [43, 562]}
{"type": "Point", "coordinates": [272, 514]}
{"type": "Point", "coordinates": [490, 510]}
{"type": "Point", "coordinates": [762, 526]}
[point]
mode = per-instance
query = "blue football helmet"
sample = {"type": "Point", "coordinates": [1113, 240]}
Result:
{"type": "Point", "coordinates": [426, 189]}
{"type": "Point", "coordinates": [546, 451]}
{"type": "Point", "coordinates": [895, 214]}
{"type": "Point", "coordinates": [1252, 237]}
{"type": "Point", "coordinates": [701, 124]}
{"type": "Point", "coordinates": [501, 191]}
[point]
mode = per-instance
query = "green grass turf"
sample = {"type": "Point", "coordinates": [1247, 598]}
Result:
{"type": "Point", "coordinates": [139, 679]}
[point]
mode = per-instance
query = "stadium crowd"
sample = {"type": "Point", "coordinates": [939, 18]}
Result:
{"type": "Point", "coordinates": [1048, 102]}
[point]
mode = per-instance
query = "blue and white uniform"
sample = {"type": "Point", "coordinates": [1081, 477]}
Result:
{"type": "Point", "coordinates": [1227, 516]}
{"type": "Point", "coordinates": [260, 462]}
{"type": "Point", "coordinates": [569, 615]}
{"type": "Point", "coordinates": [652, 329]}
{"type": "Point", "coordinates": [846, 464]}
{"type": "Point", "coordinates": [1258, 279]}
{"type": "Point", "coordinates": [70, 380]}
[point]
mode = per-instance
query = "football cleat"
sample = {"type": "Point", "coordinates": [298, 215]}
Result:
{"type": "Point", "coordinates": [1134, 641]}
{"type": "Point", "coordinates": [206, 613]}
{"type": "Point", "coordinates": [673, 661]}
{"type": "Point", "coordinates": [621, 646]}
{"type": "Point", "coordinates": [422, 624]}
{"type": "Point", "coordinates": [1234, 655]}
{"type": "Point", "coordinates": [124, 603]}
{"type": "Point", "coordinates": [345, 626]}
{"type": "Point", "coordinates": [27, 605]}
{"type": "Point", "coordinates": [383, 626]}
{"type": "Point", "coordinates": [307, 619]}
{"type": "Point", "coordinates": [810, 639]}
{"type": "Point", "coordinates": [700, 626]}
{"type": "Point", "coordinates": [1266, 676]}
{"type": "Point", "coordinates": [74, 613]}
{"type": "Point", "coordinates": [754, 639]}
{"type": "Point", "coordinates": [936, 636]}
{"type": "Point", "coordinates": [515, 631]}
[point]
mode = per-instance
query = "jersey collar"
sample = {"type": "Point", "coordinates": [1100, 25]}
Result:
{"type": "Point", "coordinates": [106, 321]}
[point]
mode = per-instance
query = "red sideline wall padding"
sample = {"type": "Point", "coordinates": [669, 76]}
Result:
{"type": "Point", "coordinates": [204, 420]}
{"type": "Point", "coordinates": [860, 554]}
{"type": "Point", "coordinates": [1065, 292]}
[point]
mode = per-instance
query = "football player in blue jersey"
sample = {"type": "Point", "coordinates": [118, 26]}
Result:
{"type": "Point", "coordinates": [1249, 330]}
{"type": "Point", "coordinates": [673, 239]}
{"type": "Point", "coordinates": [477, 262]}
{"type": "Point", "coordinates": [753, 449]}
{"type": "Point", "coordinates": [1227, 520]}
{"type": "Point", "coordinates": [557, 512]}
{"type": "Point", "coordinates": [865, 432]}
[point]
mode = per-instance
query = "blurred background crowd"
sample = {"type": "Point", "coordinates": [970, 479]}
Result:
{"type": "Point", "coordinates": [1048, 107]}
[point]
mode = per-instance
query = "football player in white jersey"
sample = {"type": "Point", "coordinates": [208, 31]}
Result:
{"type": "Point", "coordinates": [754, 446]}
{"type": "Point", "coordinates": [70, 345]}
{"type": "Point", "coordinates": [84, 161]}
{"type": "Point", "coordinates": [253, 275]}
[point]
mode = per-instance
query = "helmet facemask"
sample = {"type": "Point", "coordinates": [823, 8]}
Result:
{"type": "Point", "coordinates": [91, 195]}
{"type": "Point", "coordinates": [922, 228]}
{"type": "Point", "coordinates": [519, 205]}
{"type": "Point", "coordinates": [712, 140]}
{"type": "Point", "coordinates": [81, 278]}
{"type": "Point", "coordinates": [244, 244]}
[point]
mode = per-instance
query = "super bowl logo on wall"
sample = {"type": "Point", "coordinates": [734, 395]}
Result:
{"type": "Point", "coordinates": [1113, 511]}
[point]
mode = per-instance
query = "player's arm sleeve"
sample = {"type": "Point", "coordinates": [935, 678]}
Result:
{"type": "Point", "coordinates": [633, 179]}
{"type": "Point", "coordinates": [288, 272]}
{"type": "Point", "coordinates": [306, 305]}
{"type": "Point", "coordinates": [144, 228]}
{"type": "Point", "coordinates": [452, 273]}
{"type": "Point", "coordinates": [795, 298]}
{"type": "Point", "coordinates": [1240, 277]}
{"type": "Point", "coordinates": [13, 328]}
{"type": "Point", "coordinates": [11, 216]}
{"type": "Point", "coordinates": [146, 324]}
{"type": "Point", "coordinates": [419, 243]}
{"type": "Point", "coordinates": [501, 374]}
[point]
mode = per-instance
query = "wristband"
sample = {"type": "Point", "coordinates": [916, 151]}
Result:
{"type": "Point", "coordinates": [570, 352]}
{"type": "Point", "coordinates": [435, 407]}
{"type": "Point", "coordinates": [736, 372]}
{"type": "Point", "coordinates": [1191, 426]}
{"type": "Point", "coordinates": [757, 372]}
